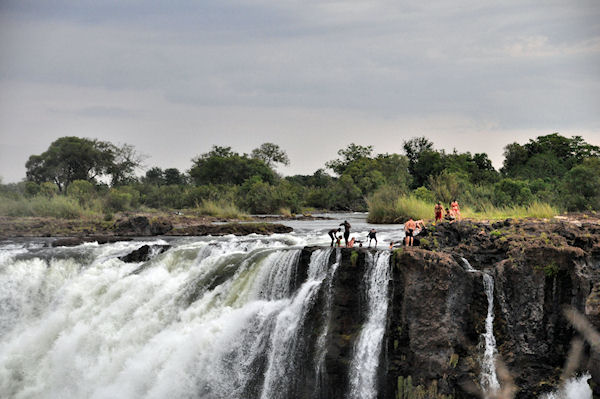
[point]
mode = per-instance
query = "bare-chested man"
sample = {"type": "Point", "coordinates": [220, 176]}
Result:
{"type": "Point", "coordinates": [409, 228]}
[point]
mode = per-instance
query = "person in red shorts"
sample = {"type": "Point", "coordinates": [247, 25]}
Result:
{"type": "Point", "coordinates": [439, 210]}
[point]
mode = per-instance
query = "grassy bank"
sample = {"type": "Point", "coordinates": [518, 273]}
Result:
{"type": "Point", "coordinates": [386, 210]}
{"type": "Point", "coordinates": [60, 207]}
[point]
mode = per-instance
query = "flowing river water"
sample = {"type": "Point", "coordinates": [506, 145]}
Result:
{"type": "Point", "coordinates": [224, 317]}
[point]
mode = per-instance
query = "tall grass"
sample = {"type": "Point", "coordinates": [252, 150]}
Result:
{"type": "Point", "coordinates": [58, 206]}
{"type": "Point", "coordinates": [539, 210]}
{"type": "Point", "coordinates": [221, 209]}
{"type": "Point", "coordinates": [386, 210]}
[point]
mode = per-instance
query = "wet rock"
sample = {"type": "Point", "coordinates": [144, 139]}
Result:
{"type": "Point", "coordinates": [144, 253]}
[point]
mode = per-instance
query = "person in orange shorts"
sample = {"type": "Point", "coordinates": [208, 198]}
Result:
{"type": "Point", "coordinates": [455, 209]}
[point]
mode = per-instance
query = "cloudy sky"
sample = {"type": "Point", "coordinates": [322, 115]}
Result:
{"type": "Point", "coordinates": [175, 77]}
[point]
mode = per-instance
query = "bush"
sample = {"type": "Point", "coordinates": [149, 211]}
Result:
{"type": "Point", "coordinates": [81, 190]}
{"type": "Point", "coordinates": [117, 201]}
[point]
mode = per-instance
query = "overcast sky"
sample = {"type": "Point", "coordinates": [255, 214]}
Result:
{"type": "Point", "coordinates": [174, 78]}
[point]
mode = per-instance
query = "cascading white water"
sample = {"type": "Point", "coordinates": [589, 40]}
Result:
{"type": "Point", "coordinates": [574, 388]}
{"type": "Point", "coordinates": [283, 346]}
{"type": "Point", "coordinates": [321, 341]}
{"type": "Point", "coordinates": [363, 370]}
{"type": "Point", "coordinates": [489, 379]}
{"type": "Point", "coordinates": [201, 320]}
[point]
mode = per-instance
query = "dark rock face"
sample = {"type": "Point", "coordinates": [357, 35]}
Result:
{"type": "Point", "coordinates": [144, 253]}
{"type": "Point", "coordinates": [436, 316]}
{"type": "Point", "coordinates": [538, 268]}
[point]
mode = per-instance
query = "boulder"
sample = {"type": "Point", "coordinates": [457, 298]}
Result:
{"type": "Point", "coordinates": [144, 253]}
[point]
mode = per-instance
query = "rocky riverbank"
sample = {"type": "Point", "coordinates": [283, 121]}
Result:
{"type": "Point", "coordinates": [74, 232]}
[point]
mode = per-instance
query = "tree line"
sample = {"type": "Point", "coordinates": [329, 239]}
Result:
{"type": "Point", "coordinates": [554, 169]}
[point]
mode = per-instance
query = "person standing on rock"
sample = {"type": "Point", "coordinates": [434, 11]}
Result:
{"type": "Point", "coordinates": [455, 209]}
{"type": "Point", "coordinates": [333, 234]}
{"type": "Point", "coordinates": [372, 236]}
{"type": "Point", "coordinates": [346, 231]}
{"type": "Point", "coordinates": [439, 210]}
{"type": "Point", "coordinates": [409, 228]}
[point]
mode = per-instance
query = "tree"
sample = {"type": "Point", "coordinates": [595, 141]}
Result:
{"type": "Point", "coordinates": [270, 154]}
{"type": "Point", "coordinates": [547, 157]}
{"type": "Point", "coordinates": [223, 166]}
{"type": "Point", "coordinates": [172, 176]}
{"type": "Point", "coordinates": [154, 176]}
{"type": "Point", "coordinates": [414, 147]}
{"type": "Point", "coordinates": [581, 186]}
{"type": "Point", "coordinates": [73, 158]}
{"type": "Point", "coordinates": [348, 155]}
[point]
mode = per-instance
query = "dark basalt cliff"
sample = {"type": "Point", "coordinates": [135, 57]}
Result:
{"type": "Point", "coordinates": [437, 309]}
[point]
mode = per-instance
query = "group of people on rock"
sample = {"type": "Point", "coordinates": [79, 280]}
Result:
{"type": "Point", "coordinates": [411, 227]}
{"type": "Point", "coordinates": [349, 242]}
{"type": "Point", "coordinates": [450, 214]}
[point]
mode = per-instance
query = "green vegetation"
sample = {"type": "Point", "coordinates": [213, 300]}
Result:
{"type": "Point", "coordinates": [220, 209]}
{"type": "Point", "coordinates": [550, 270]}
{"type": "Point", "coordinates": [78, 177]}
{"type": "Point", "coordinates": [353, 258]}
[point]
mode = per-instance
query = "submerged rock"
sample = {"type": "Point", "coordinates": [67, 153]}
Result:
{"type": "Point", "coordinates": [144, 253]}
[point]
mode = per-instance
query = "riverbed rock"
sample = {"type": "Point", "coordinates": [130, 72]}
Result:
{"type": "Point", "coordinates": [144, 253]}
{"type": "Point", "coordinates": [141, 226]}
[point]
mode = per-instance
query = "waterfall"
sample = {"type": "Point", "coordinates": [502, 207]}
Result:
{"type": "Point", "coordinates": [206, 319]}
{"type": "Point", "coordinates": [284, 340]}
{"type": "Point", "coordinates": [322, 340]}
{"type": "Point", "coordinates": [363, 369]}
{"type": "Point", "coordinates": [488, 378]}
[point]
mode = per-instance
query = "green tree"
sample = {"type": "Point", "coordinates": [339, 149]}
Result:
{"type": "Point", "coordinates": [270, 154]}
{"type": "Point", "coordinates": [581, 186]}
{"type": "Point", "coordinates": [154, 176]}
{"type": "Point", "coordinates": [172, 176]}
{"type": "Point", "coordinates": [73, 158]}
{"type": "Point", "coordinates": [348, 155]}
{"type": "Point", "coordinates": [223, 166]}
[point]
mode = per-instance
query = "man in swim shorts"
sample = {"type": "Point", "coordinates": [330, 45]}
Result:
{"type": "Point", "coordinates": [372, 236]}
{"type": "Point", "coordinates": [346, 230]}
{"type": "Point", "coordinates": [409, 228]}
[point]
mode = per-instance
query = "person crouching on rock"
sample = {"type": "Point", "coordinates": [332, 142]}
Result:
{"type": "Point", "coordinates": [333, 234]}
{"type": "Point", "coordinates": [346, 231]}
{"type": "Point", "coordinates": [409, 229]}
